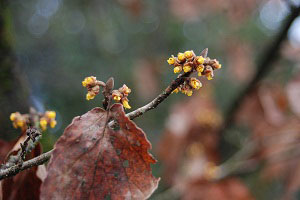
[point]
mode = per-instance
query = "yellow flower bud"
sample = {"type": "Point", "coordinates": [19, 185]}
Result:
{"type": "Point", "coordinates": [209, 76]}
{"type": "Point", "coordinates": [177, 69]}
{"type": "Point", "coordinates": [90, 96]}
{"type": "Point", "coordinates": [195, 83]}
{"type": "Point", "coordinates": [84, 83]}
{"type": "Point", "coordinates": [189, 93]}
{"type": "Point", "coordinates": [116, 95]}
{"type": "Point", "coordinates": [176, 91]}
{"type": "Point", "coordinates": [181, 57]}
{"type": "Point", "coordinates": [171, 61]}
{"type": "Point", "coordinates": [200, 68]}
{"type": "Point", "coordinates": [188, 54]}
{"type": "Point", "coordinates": [12, 116]}
{"type": "Point", "coordinates": [126, 104]}
{"type": "Point", "coordinates": [124, 89]}
{"type": "Point", "coordinates": [88, 80]}
{"type": "Point", "coordinates": [51, 114]}
{"type": "Point", "coordinates": [187, 68]}
{"type": "Point", "coordinates": [200, 60]}
{"type": "Point", "coordinates": [43, 124]}
{"type": "Point", "coordinates": [20, 123]}
{"type": "Point", "coordinates": [53, 123]}
{"type": "Point", "coordinates": [218, 66]}
{"type": "Point", "coordinates": [117, 98]}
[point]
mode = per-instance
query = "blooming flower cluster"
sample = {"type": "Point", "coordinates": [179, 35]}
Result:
{"type": "Point", "coordinates": [93, 86]}
{"type": "Point", "coordinates": [121, 95]}
{"type": "Point", "coordinates": [48, 119]}
{"type": "Point", "coordinates": [19, 120]}
{"type": "Point", "coordinates": [188, 86]}
{"type": "Point", "coordinates": [22, 120]}
{"type": "Point", "coordinates": [189, 62]}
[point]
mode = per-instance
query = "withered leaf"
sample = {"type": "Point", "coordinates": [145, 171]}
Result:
{"type": "Point", "coordinates": [92, 161]}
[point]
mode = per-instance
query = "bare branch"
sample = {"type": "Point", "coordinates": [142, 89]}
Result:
{"type": "Point", "coordinates": [33, 136]}
{"type": "Point", "coordinates": [43, 158]}
{"type": "Point", "coordinates": [160, 98]}
{"type": "Point", "coordinates": [263, 67]}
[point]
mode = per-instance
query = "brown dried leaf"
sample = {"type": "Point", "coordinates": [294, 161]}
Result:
{"type": "Point", "coordinates": [93, 161]}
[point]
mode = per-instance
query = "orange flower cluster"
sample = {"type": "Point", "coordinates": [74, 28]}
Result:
{"type": "Point", "coordinates": [121, 95]}
{"type": "Point", "coordinates": [22, 120]}
{"type": "Point", "coordinates": [189, 62]}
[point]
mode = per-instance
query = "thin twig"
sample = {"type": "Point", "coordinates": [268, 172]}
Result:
{"type": "Point", "coordinates": [33, 136]}
{"type": "Point", "coordinates": [160, 98]}
{"type": "Point", "coordinates": [41, 159]}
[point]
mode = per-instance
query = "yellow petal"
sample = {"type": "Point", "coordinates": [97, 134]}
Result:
{"type": "Point", "coordinates": [89, 96]}
{"type": "Point", "coordinates": [126, 104]}
{"type": "Point", "coordinates": [209, 77]}
{"type": "Point", "coordinates": [189, 93]}
{"type": "Point", "coordinates": [200, 60]}
{"type": "Point", "coordinates": [171, 61]}
{"type": "Point", "coordinates": [52, 123]}
{"type": "Point", "coordinates": [181, 56]}
{"type": "Point", "coordinates": [177, 69]}
{"type": "Point", "coordinates": [188, 54]}
{"type": "Point", "coordinates": [12, 116]}
{"type": "Point", "coordinates": [200, 68]}
{"type": "Point", "coordinates": [51, 114]}
{"type": "Point", "coordinates": [187, 68]}
{"type": "Point", "coordinates": [176, 91]}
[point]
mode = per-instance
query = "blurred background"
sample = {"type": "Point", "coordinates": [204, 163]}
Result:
{"type": "Point", "coordinates": [48, 47]}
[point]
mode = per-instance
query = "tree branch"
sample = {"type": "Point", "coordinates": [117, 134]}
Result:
{"type": "Point", "coordinates": [41, 159]}
{"type": "Point", "coordinates": [160, 98]}
{"type": "Point", "coordinates": [263, 67]}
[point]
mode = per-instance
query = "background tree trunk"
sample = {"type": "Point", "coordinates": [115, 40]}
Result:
{"type": "Point", "coordinates": [13, 88]}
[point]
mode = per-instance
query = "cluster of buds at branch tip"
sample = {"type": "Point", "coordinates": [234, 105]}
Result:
{"type": "Point", "coordinates": [121, 95]}
{"type": "Point", "coordinates": [93, 86]}
{"type": "Point", "coordinates": [189, 62]}
{"type": "Point", "coordinates": [22, 121]}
